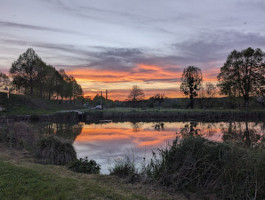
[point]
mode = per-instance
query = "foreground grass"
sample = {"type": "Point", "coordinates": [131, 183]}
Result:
{"type": "Point", "coordinates": [22, 179]}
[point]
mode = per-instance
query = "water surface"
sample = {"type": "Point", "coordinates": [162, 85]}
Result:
{"type": "Point", "coordinates": [109, 141]}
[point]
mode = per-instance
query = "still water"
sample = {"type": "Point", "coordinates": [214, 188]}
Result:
{"type": "Point", "coordinates": [107, 142]}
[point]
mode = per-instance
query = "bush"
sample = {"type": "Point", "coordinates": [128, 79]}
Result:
{"type": "Point", "coordinates": [54, 150]}
{"type": "Point", "coordinates": [125, 168]}
{"type": "Point", "coordinates": [198, 164]}
{"type": "Point", "coordinates": [85, 166]}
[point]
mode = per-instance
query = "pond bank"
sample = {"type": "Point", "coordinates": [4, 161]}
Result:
{"type": "Point", "coordinates": [175, 115]}
{"type": "Point", "coordinates": [57, 182]}
{"type": "Point", "coordinates": [143, 115]}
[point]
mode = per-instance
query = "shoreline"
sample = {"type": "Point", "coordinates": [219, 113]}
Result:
{"type": "Point", "coordinates": [142, 115]}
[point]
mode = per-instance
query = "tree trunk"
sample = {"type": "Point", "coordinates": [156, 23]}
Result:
{"type": "Point", "coordinates": [246, 99]}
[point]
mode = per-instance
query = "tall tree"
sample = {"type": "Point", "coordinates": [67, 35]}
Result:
{"type": "Point", "coordinates": [243, 74]}
{"type": "Point", "coordinates": [77, 90]}
{"type": "Point", "coordinates": [191, 83]}
{"type": "Point", "coordinates": [136, 94]}
{"type": "Point", "coordinates": [25, 70]}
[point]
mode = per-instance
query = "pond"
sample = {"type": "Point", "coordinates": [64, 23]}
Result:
{"type": "Point", "coordinates": [107, 142]}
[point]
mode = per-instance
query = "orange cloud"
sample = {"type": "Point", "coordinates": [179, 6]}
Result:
{"type": "Point", "coordinates": [150, 78]}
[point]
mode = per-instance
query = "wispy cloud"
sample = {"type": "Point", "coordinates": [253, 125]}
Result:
{"type": "Point", "coordinates": [5, 24]}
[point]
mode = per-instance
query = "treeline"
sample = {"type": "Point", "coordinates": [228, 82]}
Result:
{"type": "Point", "coordinates": [241, 77]}
{"type": "Point", "coordinates": [32, 76]}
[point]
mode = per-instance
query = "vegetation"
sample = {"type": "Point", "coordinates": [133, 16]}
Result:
{"type": "Point", "coordinates": [20, 178]}
{"type": "Point", "coordinates": [54, 150]}
{"type": "Point", "coordinates": [159, 97]}
{"type": "Point", "coordinates": [136, 94]}
{"type": "Point", "coordinates": [124, 167]}
{"type": "Point", "coordinates": [85, 166]}
{"type": "Point", "coordinates": [31, 75]}
{"type": "Point", "coordinates": [25, 105]}
{"type": "Point", "coordinates": [197, 164]}
{"type": "Point", "coordinates": [191, 83]}
{"type": "Point", "coordinates": [169, 114]}
{"type": "Point", "coordinates": [243, 74]}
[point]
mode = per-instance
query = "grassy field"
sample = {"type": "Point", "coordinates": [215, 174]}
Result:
{"type": "Point", "coordinates": [26, 105]}
{"type": "Point", "coordinates": [21, 178]}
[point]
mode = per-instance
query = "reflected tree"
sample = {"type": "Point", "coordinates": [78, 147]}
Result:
{"type": "Point", "coordinates": [64, 130]}
{"type": "Point", "coordinates": [136, 126]}
{"type": "Point", "coordinates": [190, 129]}
{"type": "Point", "coordinates": [242, 134]}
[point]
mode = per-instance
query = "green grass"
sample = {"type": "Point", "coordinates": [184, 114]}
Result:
{"type": "Point", "coordinates": [22, 183]}
{"type": "Point", "coordinates": [21, 179]}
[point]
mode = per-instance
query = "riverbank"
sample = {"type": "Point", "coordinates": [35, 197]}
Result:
{"type": "Point", "coordinates": [210, 115]}
{"type": "Point", "coordinates": [138, 115]}
{"type": "Point", "coordinates": [21, 177]}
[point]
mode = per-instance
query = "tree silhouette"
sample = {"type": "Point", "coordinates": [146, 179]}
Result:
{"type": "Point", "coordinates": [191, 83]}
{"type": "Point", "coordinates": [136, 95]}
{"type": "Point", "coordinates": [25, 70]}
{"type": "Point", "coordinates": [243, 74]}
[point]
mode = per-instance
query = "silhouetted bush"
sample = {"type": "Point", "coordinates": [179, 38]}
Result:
{"type": "Point", "coordinates": [125, 168]}
{"type": "Point", "coordinates": [198, 164]}
{"type": "Point", "coordinates": [85, 166]}
{"type": "Point", "coordinates": [54, 150]}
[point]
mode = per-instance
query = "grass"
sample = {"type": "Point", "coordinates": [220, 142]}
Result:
{"type": "Point", "coordinates": [21, 179]}
{"type": "Point", "coordinates": [152, 114]}
{"type": "Point", "coordinates": [32, 105]}
{"type": "Point", "coordinates": [212, 170]}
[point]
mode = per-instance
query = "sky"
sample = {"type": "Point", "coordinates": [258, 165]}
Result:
{"type": "Point", "coordinates": [115, 44]}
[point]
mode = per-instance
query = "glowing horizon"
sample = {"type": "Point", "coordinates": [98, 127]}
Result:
{"type": "Point", "coordinates": [115, 44]}
{"type": "Point", "coordinates": [151, 79]}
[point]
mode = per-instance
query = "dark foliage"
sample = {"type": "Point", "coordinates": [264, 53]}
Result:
{"type": "Point", "coordinates": [85, 166]}
{"type": "Point", "coordinates": [197, 164]}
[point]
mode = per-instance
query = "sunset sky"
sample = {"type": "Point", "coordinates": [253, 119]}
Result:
{"type": "Point", "coordinates": [115, 44]}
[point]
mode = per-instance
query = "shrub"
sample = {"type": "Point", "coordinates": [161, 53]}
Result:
{"type": "Point", "coordinates": [54, 150]}
{"type": "Point", "coordinates": [85, 166]}
{"type": "Point", "coordinates": [125, 168]}
{"type": "Point", "coordinates": [198, 164]}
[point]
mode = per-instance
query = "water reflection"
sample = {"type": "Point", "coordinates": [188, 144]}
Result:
{"type": "Point", "coordinates": [108, 141]}
{"type": "Point", "coordinates": [244, 133]}
{"type": "Point", "coordinates": [68, 131]}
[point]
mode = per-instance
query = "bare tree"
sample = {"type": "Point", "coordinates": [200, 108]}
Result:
{"type": "Point", "coordinates": [136, 95]}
